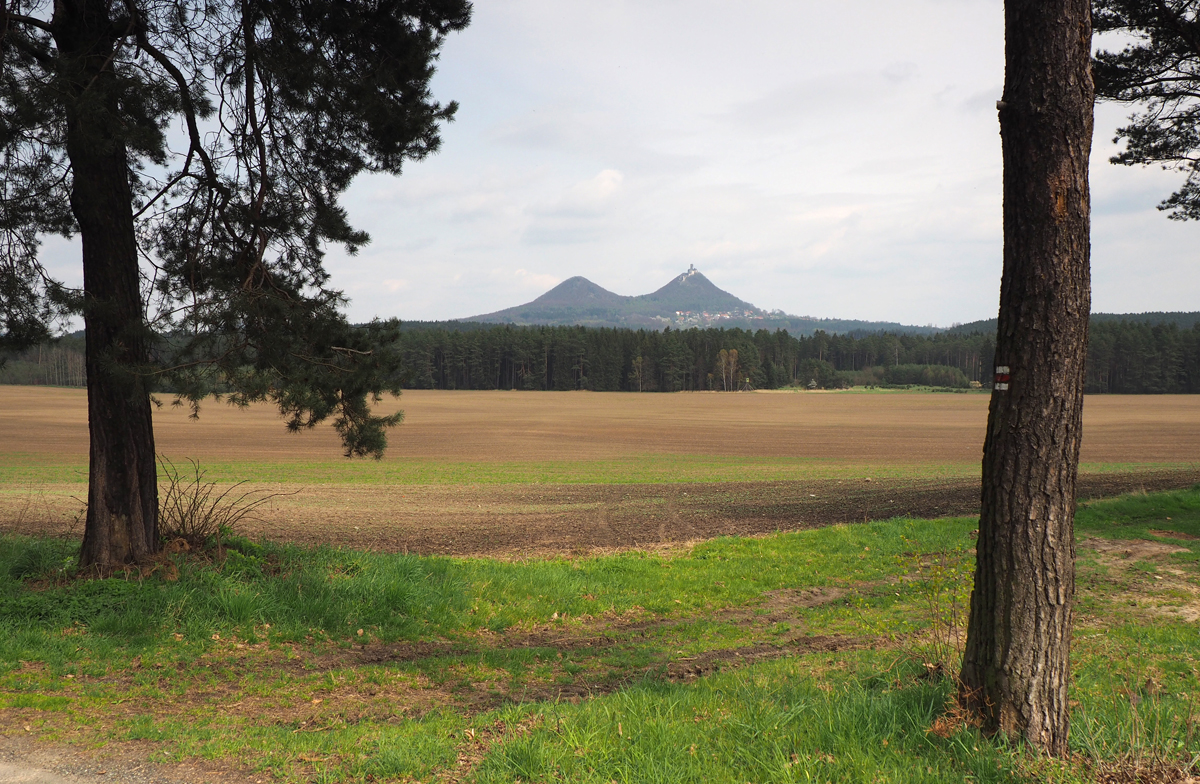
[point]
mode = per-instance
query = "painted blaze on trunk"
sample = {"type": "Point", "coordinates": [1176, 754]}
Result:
{"type": "Point", "coordinates": [1016, 665]}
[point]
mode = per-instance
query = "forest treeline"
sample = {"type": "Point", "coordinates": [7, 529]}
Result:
{"type": "Point", "coordinates": [607, 359]}
{"type": "Point", "coordinates": [56, 364]}
{"type": "Point", "coordinates": [1123, 357]}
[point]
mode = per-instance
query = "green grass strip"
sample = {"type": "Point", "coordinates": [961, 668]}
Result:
{"type": "Point", "coordinates": [18, 472]}
{"type": "Point", "coordinates": [861, 715]}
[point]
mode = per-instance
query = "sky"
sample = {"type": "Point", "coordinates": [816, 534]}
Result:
{"type": "Point", "coordinates": [824, 159]}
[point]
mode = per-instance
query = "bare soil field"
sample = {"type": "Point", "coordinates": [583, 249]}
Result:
{"type": "Point", "coordinates": [569, 519]}
{"type": "Point", "coordinates": [1144, 442]}
{"type": "Point", "coordinates": [482, 426]}
{"type": "Point", "coordinates": [875, 428]}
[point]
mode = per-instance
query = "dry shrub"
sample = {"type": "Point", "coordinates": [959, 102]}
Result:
{"type": "Point", "coordinates": [943, 581]}
{"type": "Point", "coordinates": [1127, 772]}
{"type": "Point", "coordinates": [195, 511]}
{"type": "Point", "coordinates": [956, 718]}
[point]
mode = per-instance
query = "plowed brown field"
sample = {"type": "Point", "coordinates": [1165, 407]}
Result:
{"type": "Point", "coordinates": [1129, 442]}
{"type": "Point", "coordinates": [481, 426]}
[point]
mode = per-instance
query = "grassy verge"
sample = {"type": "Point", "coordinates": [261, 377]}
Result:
{"type": "Point", "coordinates": [810, 656]}
{"type": "Point", "coordinates": [19, 472]}
{"type": "Point", "coordinates": [16, 470]}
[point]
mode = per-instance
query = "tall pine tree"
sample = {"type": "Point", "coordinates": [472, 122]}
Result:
{"type": "Point", "coordinates": [202, 260]}
{"type": "Point", "coordinates": [1016, 667]}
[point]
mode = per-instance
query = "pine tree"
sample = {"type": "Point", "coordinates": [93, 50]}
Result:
{"type": "Point", "coordinates": [1159, 69]}
{"type": "Point", "coordinates": [203, 265]}
{"type": "Point", "coordinates": [1016, 667]}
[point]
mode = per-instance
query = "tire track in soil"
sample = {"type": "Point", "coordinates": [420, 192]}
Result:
{"type": "Point", "coordinates": [597, 635]}
{"type": "Point", "coordinates": [682, 670]}
{"type": "Point", "coordinates": [351, 704]}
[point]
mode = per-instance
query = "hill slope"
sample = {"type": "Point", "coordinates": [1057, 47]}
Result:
{"type": "Point", "coordinates": [578, 292]}
{"type": "Point", "coordinates": [579, 301]}
{"type": "Point", "coordinates": [693, 292]}
{"type": "Point", "coordinates": [688, 300]}
{"type": "Point", "coordinates": [692, 300]}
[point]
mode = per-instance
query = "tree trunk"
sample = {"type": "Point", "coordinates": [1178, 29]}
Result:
{"type": "Point", "coordinates": [122, 512]}
{"type": "Point", "coordinates": [1016, 666]}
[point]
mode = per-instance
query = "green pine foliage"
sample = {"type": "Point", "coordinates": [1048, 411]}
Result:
{"type": "Point", "coordinates": [1155, 70]}
{"type": "Point", "coordinates": [281, 105]}
{"type": "Point", "coordinates": [1124, 357]}
{"type": "Point", "coordinates": [927, 375]}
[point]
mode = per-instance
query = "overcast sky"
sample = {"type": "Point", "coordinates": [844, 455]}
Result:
{"type": "Point", "coordinates": [825, 159]}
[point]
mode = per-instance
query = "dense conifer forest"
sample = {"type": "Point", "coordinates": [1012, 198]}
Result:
{"type": "Point", "coordinates": [1123, 357]}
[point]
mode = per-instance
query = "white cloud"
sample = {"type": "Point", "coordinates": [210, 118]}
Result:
{"type": "Point", "coordinates": [727, 249]}
{"type": "Point", "coordinates": [534, 281]}
{"type": "Point", "coordinates": [828, 159]}
{"type": "Point", "coordinates": [588, 198]}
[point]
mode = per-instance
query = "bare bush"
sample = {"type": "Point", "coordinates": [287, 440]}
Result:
{"type": "Point", "coordinates": [943, 582]}
{"type": "Point", "coordinates": [196, 511]}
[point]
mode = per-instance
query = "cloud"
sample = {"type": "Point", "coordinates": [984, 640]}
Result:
{"type": "Point", "coordinates": [981, 100]}
{"type": "Point", "coordinates": [898, 73]}
{"type": "Point", "coordinates": [829, 213]}
{"type": "Point", "coordinates": [836, 159]}
{"type": "Point", "coordinates": [579, 214]}
{"type": "Point", "coordinates": [532, 280]}
{"type": "Point", "coordinates": [727, 249]}
{"type": "Point", "coordinates": [551, 131]}
{"type": "Point", "coordinates": [588, 198]}
{"type": "Point", "coordinates": [561, 233]}
{"type": "Point", "coordinates": [482, 205]}
{"type": "Point", "coordinates": [810, 102]}
{"type": "Point", "coordinates": [548, 127]}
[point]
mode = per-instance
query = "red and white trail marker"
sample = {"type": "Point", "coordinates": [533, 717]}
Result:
{"type": "Point", "coordinates": [1002, 377]}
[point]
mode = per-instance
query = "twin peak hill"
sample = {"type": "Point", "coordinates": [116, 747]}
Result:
{"type": "Point", "coordinates": [688, 300]}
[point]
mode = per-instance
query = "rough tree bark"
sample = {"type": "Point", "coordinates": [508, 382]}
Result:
{"type": "Point", "coordinates": [1016, 665]}
{"type": "Point", "coordinates": [122, 512]}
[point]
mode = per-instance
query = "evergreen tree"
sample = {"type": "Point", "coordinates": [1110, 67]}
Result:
{"type": "Point", "coordinates": [218, 245]}
{"type": "Point", "coordinates": [1016, 666]}
{"type": "Point", "coordinates": [1159, 69]}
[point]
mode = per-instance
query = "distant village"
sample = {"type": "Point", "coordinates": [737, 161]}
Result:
{"type": "Point", "coordinates": [692, 318]}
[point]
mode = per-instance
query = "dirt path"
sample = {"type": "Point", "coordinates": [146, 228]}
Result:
{"type": "Point", "coordinates": [23, 761]}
